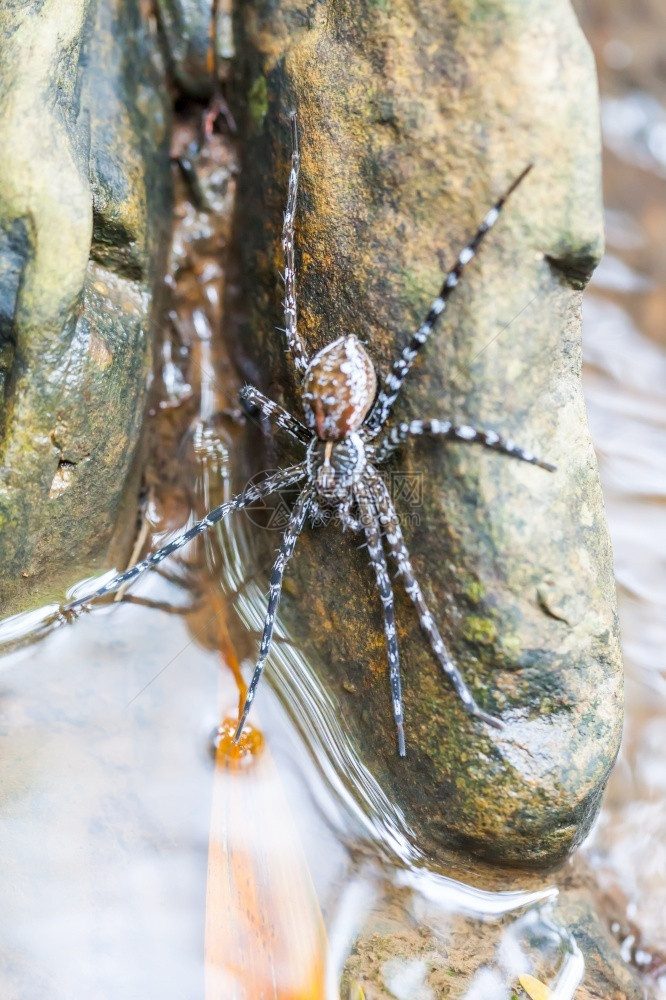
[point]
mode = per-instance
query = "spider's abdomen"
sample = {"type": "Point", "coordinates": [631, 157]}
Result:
{"type": "Point", "coordinates": [338, 389]}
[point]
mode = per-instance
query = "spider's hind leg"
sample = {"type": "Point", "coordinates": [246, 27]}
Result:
{"type": "Point", "coordinates": [393, 534]}
{"type": "Point", "coordinates": [290, 537]}
{"type": "Point", "coordinates": [378, 561]}
{"type": "Point", "coordinates": [283, 478]}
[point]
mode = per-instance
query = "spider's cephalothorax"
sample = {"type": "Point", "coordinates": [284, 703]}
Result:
{"type": "Point", "coordinates": [335, 466]}
{"type": "Point", "coordinates": [346, 436]}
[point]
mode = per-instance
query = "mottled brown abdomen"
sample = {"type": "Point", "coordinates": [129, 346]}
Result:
{"type": "Point", "coordinates": [339, 388]}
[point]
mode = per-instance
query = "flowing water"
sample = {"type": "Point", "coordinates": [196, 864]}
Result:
{"type": "Point", "coordinates": [625, 379]}
{"type": "Point", "coordinates": [144, 857]}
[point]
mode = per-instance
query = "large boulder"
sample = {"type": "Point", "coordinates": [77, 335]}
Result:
{"type": "Point", "coordinates": [84, 204]}
{"type": "Point", "coordinates": [413, 120]}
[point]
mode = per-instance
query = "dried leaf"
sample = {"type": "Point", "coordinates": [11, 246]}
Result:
{"type": "Point", "coordinates": [534, 988]}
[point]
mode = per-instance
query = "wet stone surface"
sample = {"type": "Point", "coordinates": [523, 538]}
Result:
{"type": "Point", "coordinates": [424, 946]}
{"type": "Point", "coordinates": [410, 127]}
{"type": "Point", "coordinates": [84, 206]}
{"type": "Point", "coordinates": [199, 48]}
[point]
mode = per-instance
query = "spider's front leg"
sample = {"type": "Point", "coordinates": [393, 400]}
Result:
{"type": "Point", "coordinates": [398, 549]}
{"type": "Point", "coordinates": [393, 438]}
{"type": "Point", "coordinates": [281, 479]}
{"type": "Point", "coordinates": [276, 413]}
{"type": "Point", "coordinates": [294, 340]}
{"type": "Point", "coordinates": [289, 539]}
{"type": "Point", "coordinates": [371, 526]}
{"type": "Point", "coordinates": [394, 381]}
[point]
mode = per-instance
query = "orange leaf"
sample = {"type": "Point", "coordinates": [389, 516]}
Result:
{"type": "Point", "coordinates": [264, 931]}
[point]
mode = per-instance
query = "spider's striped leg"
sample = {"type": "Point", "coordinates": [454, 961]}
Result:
{"type": "Point", "coordinates": [292, 531]}
{"type": "Point", "coordinates": [281, 479]}
{"type": "Point", "coordinates": [372, 529]}
{"type": "Point", "coordinates": [397, 548]}
{"type": "Point", "coordinates": [348, 520]}
{"type": "Point", "coordinates": [394, 380]}
{"type": "Point", "coordinates": [294, 341]}
{"type": "Point", "coordinates": [273, 411]}
{"type": "Point", "coordinates": [393, 438]}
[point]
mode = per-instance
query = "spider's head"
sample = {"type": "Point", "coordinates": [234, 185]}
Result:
{"type": "Point", "coordinates": [339, 388]}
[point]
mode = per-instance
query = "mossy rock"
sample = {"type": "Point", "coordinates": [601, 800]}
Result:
{"type": "Point", "coordinates": [84, 205]}
{"type": "Point", "coordinates": [412, 123]}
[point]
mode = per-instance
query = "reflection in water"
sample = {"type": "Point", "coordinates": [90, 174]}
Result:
{"type": "Point", "coordinates": [535, 940]}
{"type": "Point", "coordinates": [451, 896]}
{"type": "Point", "coordinates": [99, 860]}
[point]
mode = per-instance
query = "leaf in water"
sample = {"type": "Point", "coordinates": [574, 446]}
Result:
{"type": "Point", "coordinates": [535, 989]}
{"type": "Point", "coordinates": [265, 935]}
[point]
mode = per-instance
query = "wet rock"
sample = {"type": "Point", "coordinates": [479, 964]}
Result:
{"type": "Point", "coordinates": [199, 47]}
{"type": "Point", "coordinates": [436, 938]}
{"type": "Point", "coordinates": [84, 202]}
{"type": "Point", "coordinates": [412, 123]}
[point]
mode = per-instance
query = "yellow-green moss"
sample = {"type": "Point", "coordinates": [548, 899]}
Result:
{"type": "Point", "coordinates": [257, 102]}
{"type": "Point", "coordinates": [477, 629]}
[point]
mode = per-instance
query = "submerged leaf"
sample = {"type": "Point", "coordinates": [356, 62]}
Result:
{"type": "Point", "coordinates": [264, 930]}
{"type": "Point", "coordinates": [535, 989]}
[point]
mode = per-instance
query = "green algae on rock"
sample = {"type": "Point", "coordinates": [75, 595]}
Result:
{"type": "Point", "coordinates": [84, 197]}
{"type": "Point", "coordinates": [412, 123]}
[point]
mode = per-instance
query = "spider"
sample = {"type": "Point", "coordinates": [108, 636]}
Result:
{"type": "Point", "coordinates": [346, 437]}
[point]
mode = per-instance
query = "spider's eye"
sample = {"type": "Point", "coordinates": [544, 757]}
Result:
{"type": "Point", "coordinates": [338, 389]}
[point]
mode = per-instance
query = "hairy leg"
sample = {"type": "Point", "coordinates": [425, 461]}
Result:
{"type": "Point", "coordinates": [397, 548]}
{"type": "Point", "coordinates": [283, 478]}
{"type": "Point", "coordinates": [394, 437]}
{"type": "Point", "coordinates": [369, 517]}
{"type": "Point", "coordinates": [273, 411]}
{"type": "Point", "coordinates": [294, 341]}
{"type": "Point", "coordinates": [394, 380]}
{"type": "Point", "coordinates": [289, 539]}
